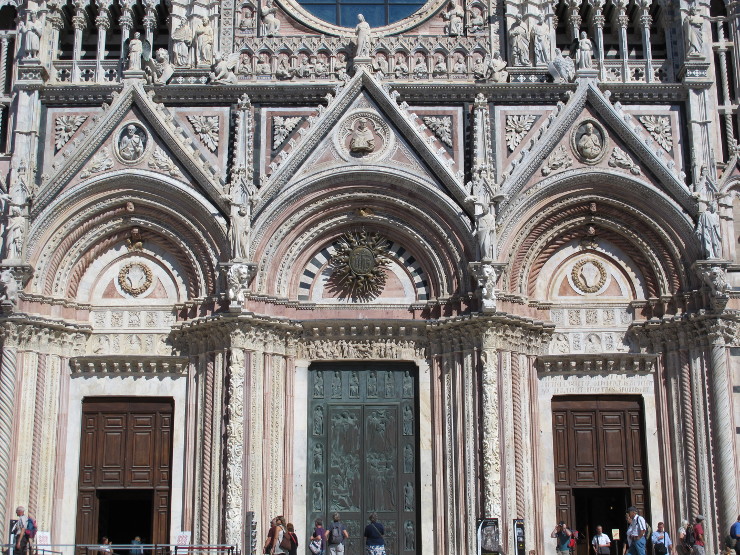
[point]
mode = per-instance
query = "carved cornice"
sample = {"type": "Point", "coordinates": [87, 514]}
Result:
{"type": "Point", "coordinates": [128, 365]}
{"type": "Point", "coordinates": [609, 363]}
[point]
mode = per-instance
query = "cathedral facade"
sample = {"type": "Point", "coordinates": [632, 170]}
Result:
{"type": "Point", "coordinates": [472, 265]}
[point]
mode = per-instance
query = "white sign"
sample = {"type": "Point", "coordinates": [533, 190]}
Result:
{"type": "Point", "coordinates": [43, 540]}
{"type": "Point", "coordinates": [183, 538]}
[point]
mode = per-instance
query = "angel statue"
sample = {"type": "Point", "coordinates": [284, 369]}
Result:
{"type": "Point", "coordinates": [182, 38]}
{"type": "Point", "coordinates": [562, 68]}
{"type": "Point", "coordinates": [225, 69]}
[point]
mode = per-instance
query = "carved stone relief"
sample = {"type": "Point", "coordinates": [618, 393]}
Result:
{"type": "Point", "coordinates": [363, 136]}
{"type": "Point", "coordinates": [206, 127]}
{"type": "Point", "coordinates": [558, 160]}
{"type": "Point", "coordinates": [281, 128]}
{"type": "Point", "coordinates": [660, 130]}
{"type": "Point", "coordinates": [441, 126]}
{"type": "Point", "coordinates": [64, 128]}
{"type": "Point", "coordinates": [517, 127]}
{"type": "Point", "coordinates": [589, 141]}
{"type": "Point", "coordinates": [131, 143]}
{"type": "Point", "coordinates": [135, 278]}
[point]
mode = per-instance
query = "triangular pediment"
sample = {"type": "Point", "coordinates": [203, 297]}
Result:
{"type": "Point", "coordinates": [156, 144]}
{"type": "Point", "coordinates": [624, 145]}
{"type": "Point", "coordinates": [398, 139]}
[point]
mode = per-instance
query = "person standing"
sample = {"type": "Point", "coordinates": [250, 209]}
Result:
{"type": "Point", "coordinates": [374, 532]}
{"type": "Point", "coordinates": [318, 535]}
{"type": "Point", "coordinates": [636, 533]}
{"type": "Point", "coordinates": [336, 535]}
{"type": "Point", "coordinates": [699, 536]}
{"type": "Point", "coordinates": [735, 534]}
{"type": "Point", "coordinates": [662, 543]}
{"type": "Point", "coordinates": [19, 531]}
{"type": "Point", "coordinates": [293, 538]}
{"type": "Point", "coordinates": [601, 543]}
{"type": "Point", "coordinates": [562, 535]}
{"type": "Point", "coordinates": [136, 548]}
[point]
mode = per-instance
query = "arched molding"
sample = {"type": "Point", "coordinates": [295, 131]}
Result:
{"type": "Point", "coordinates": [90, 218]}
{"type": "Point", "coordinates": [304, 219]}
{"type": "Point", "coordinates": [652, 231]}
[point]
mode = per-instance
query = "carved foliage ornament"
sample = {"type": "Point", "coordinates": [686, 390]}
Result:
{"type": "Point", "coordinates": [441, 126]}
{"type": "Point", "coordinates": [135, 278]}
{"type": "Point", "coordinates": [281, 128]}
{"type": "Point", "coordinates": [558, 160]}
{"type": "Point", "coordinates": [207, 129]}
{"type": "Point", "coordinates": [659, 128]}
{"type": "Point", "coordinates": [517, 128]}
{"type": "Point", "coordinates": [359, 264]}
{"type": "Point", "coordinates": [588, 275]}
{"type": "Point", "coordinates": [65, 127]}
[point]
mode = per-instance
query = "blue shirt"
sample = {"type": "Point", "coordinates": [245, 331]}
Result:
{"type": "Point", "coordinates": [374, 534]}
{"type": "Point", "coordinates": [735, 530]}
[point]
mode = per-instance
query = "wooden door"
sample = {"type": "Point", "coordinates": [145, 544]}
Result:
{"type": "Point", "coordinates": [126, 444]}
{"type": "Point", "coordinates": [598, 443]}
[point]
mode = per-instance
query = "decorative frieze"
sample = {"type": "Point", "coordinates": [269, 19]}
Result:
{"type": "Point", "coordinates": [597, 364]}
{"type": "Point", "coordinates": [143, 364]}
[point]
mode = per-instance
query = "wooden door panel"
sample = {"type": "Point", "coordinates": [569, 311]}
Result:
{"type": "Point", "coordinates": [584, 448]}
{"type": "Point", "coordinates": [560, 447]}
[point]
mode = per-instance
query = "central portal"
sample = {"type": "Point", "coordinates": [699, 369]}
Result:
{"type": "Point", "coordinates": [362, 450]}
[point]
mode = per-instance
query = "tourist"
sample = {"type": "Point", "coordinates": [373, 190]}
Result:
{"type": "Point", "coordinates": [318, 536]}
{"type": "Point", "coordinates": [601, 542]}
{"type": "Point", "coordinates": [293, 538]}
{"type": "Point", "coordinates": [374, 532]}
{"type": "Point", "coordinates": [662, 543]}
{"type": "Point", "coordinates": [636, 533]}
{"type": "Point", "coordinates": [562, 534]}
{"type": "Point", "coordinates": [735, 534]}
{"type": "Point", "coordinates": [335, 536]}
{"type": "Point", "coordinates": [19, 531]}
{"type": "Point", "coordinates": [698, 548]}
{"type": "Point", "coordinates": [136, 548]}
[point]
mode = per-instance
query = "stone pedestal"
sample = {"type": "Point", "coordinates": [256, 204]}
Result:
{"type": "Point", "coordinates": [134, 74]}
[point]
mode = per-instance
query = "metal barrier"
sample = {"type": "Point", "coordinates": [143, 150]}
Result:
{"type": "Point", "coordinates": [125, 549]}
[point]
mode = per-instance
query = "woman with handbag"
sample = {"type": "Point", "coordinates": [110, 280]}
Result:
{"type": "Point", "coordinates": [374, 532]}
{"type": "Point", "coordinates": [318, 541]}
{"type": "Point", "coordinates": [661, 541]}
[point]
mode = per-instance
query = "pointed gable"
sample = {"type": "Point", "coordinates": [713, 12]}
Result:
{"type": "Point", "coordinates": [162, 145]}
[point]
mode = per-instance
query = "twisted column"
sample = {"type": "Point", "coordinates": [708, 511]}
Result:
{"type": "Point", "coordinates": [235, 447]}
{"type": "Point", "coordinates": [7, 396]}
{"type": "Point", "coordinates": [207, 453]}
{"type": "Point", "coordinates": [38, 411]}
{"type": "Point", "coordinates": [723, 435]}
{"type": "Point", "coordinates": [516, 386]}
{"type": "Point", "coordinates": [687, 417]}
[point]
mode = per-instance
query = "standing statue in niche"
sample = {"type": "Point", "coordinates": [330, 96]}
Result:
{"type": "Point", "coordinates": [354, 385]}
{"type": "Point", "coordinates": [239, 231]}
{"type": "Point", "coordinates": [182, 39]}
{"type": "Point", "coordinates": [409, 538]}
{"type": "Point", "coordinates": [455, 16]}
{"type": "Point", "coordinates": [318, 421]}
{"type": "Point", "coordinates": [336, 386]}
{"type": "Point", "coordinates": [135, 52]}
{"type": "Point", "coordinates": [372, 385]}
{"type": "Point", "coordinates": [390, 386]}
{"type": "Point", "coordinates": [30, 31]}
{"type": "Point", "coordinates": [318, 458]}
{"type": "Point", "coordinates": [270, 22]}
{"type": "Point", "coordinates": [408, 385]}
{"type": "Point", "coordinates": [14, 234]}
{"type": "Point", "coordinates": [694, 33]}
{"type": "Point", "coordinates": [485, 230]}
{"type": "Point", "coordinates": [585, 52]}
{"type": "Point", "coordinates": [408, 459]}
{"type": "Point", "coordinates": [408, 497]}
{"type": "Point", "coordinates": [708, 232]}
{"type": "Point", "coordinates": [408, 421]}
{"type": "Point", "coordinates": [519, 40]}
{"type": "Point", "coordinates": [204, 42]}
{"type": "Point", "coordinates": [318, 385]}
{"type": "Point", "coordinates": [362, 32]}
{"type": "Point", "coordinates": [541, 40]}
{"type": "Point", "coordinates": [318, 497]}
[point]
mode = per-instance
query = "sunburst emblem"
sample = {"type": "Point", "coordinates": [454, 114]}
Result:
{"type": "Point", "coordinates": [359, 264]}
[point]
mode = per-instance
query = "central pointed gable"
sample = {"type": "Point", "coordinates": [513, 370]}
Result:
{"type": "Point", "coordinates": [419, 146]}
{"type": "Point", "coordinates": [647, 153]}
{"type": "Point", "coordinates": [155, 115]}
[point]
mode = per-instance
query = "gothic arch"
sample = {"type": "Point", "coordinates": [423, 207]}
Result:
{"type": "Point", "coordinates": [306, 218]}
{"type": "Point", "coordinates": [93, 218]}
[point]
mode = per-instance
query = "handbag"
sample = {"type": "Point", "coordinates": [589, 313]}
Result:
{"type": "Point", "coordinates": [286, 543]}
{"type": "Point", "coordinates": [315, 546]}
{"type": "Point", "coordinates": [660, 548]}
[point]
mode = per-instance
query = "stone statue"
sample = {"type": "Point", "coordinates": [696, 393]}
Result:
{"type": "Point", "coordinates": [372, 385]}
{"type": "Point", "coordinates": [284, 71]}
{"type": "Point", "coordinates": [224, 70]}
{"type": "Point", "coordinates": [14, 234]}
{"type": "Point", "coordinates": [562, 68]}
{"type": "Point", "coordinates": [239, 231]}
{"type": "Point", "coordinates": [8, 287]}
{"type": "Point", "coordinates": [270, 22]}
{"type": "Point", "coordinates": [694, 33]}
{"type": "Point", "coordinates": [182, 39]}
{"type": "Point", "coordinates": [354, 385]}
{"type": "Point", "coordinates": [541, 40]}
{"type": "Point", "coordinates": [263, 65]}
{"type": "Point", "coordinates": [584, 54]}
{"type": "Point", "coordinates": [30, 31]}
{"type": "Point", "coordinates": [204, 42]}
{"type": "Point", "coordinates": [380, 65]}
{"type": "Point", "coordinates": [455, 17]}
{"type": "Point", "coordinates": [519, 40]}
{"type": "Point", "coordinates": [135, 51]}
{"type": "Point", "coordinates": [497, 65]}
{"type": "Point", "coordinates": [420, 67]}
{"type": "Point", "coordinates": [440, 66]}
{"type": "Point", "coordinates": [408, 497]}
{"type": "Point", "coordinates": [363, 140]}
{"type": "Point", "coordinates": [401, 69]}
{"type": "Point", "coordinates": [708, 232]}
{"type": "Point", "coordinates": [318, 385]}
{"type": "Point", "coordinates": [362, 32]}
{"type": "Point", "coordinates": [485, 231]}
{"type": "Point", "coordinates": [715, 277]}
{"type": "Point", "coordinates": [336, 385]}
{"type": "Point", "coordinates": [476, 22]}
{"type": "Point", "coordinates": [160, 69]}
{"type": "Point", "coordinates": [408, 421]}
{"type": "Point", "coordinates": [589, 144]}
{"type": "Point", "coordinates": [131, 144]}
{"type": "Point", "coordinates": [237, 279]}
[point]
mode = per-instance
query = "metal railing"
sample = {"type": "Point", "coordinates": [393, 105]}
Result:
{"type": "Point", "coordinates": [124, 549]}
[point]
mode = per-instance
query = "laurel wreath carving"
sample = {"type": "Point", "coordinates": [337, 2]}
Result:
{"type": "Point", "coordinates": [578, 281]}
{"type": "Point", "coordinates": [134, 291]}
{"type": "Point", "coordinates": [361, 283]}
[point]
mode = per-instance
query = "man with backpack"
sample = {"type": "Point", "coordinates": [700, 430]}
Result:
{"type": "Point", "coordinates": [636, 533]}
{"type": "Point", "coordinates": [335, 536]}
{"type": "Point", "coordinates": [24, 530]}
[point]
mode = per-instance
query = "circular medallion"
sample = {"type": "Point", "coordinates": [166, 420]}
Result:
{"type": "Point", "coordinates": [363, 137]}
{"type": "Point", "coordinates": [131, 143]}
{"type": "Point", "coordinates": [361, 260]}
{"type": "Point", "coordinates": [135, 278]}
{"type": "Point", "coordinates": [588, 141]}
{"type": "Point", "coordinates": [588, 275]}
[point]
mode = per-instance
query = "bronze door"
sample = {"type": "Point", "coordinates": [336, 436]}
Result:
{"type": "Point", "coordinates": [362, 450]}
{"type": "Point", "coordinates": [125, 462]}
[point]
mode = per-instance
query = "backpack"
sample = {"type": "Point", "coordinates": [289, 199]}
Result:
{"type": "Point", "coordinates": [648, 531]}
{"type": "Point", "coordinates": [689, 538]}
{"type": "Point", "coordinates": [573, 539]}
{"type": "Point", "coordinates": [336, 534]}
{"type": "Point", "coordinates": [31, 528]}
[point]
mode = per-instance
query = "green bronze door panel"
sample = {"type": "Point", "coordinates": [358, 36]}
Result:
{"type": "Point", "coordinates": [362, 450]}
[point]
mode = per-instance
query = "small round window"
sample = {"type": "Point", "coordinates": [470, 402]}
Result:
{"type": "Point", "coordinates": [377, 12]}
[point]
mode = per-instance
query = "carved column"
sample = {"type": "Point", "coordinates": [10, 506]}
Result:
{"type": "Point", "coordinates": [516, 386]}
{"type": "Point", "coordinates": [726, 100]}
{"type": "Point", "coordinates": [7, 412]}
{"type": "Point", "coordinates": [38, 420]}
{"type": "Point", "coordinates": [491, 448]}
{"type": "Point", "coordinates": [150, 21]}
{"type": "Point", "coordinates": [723, 436]}
{"type": "Point", "coordinates": [79, 22]}
{"type": "Point", "coordinates": [623, 20]}
{"type": "Point", "coordinates": [599, 22]}
{"type": "Point", "coordinates": [126, 23]}
{"type": "Point", "coordinates": [687, 418]}
{"type": "Point", "coordinates": [575, 17]}
{"type": "Point", "coordinates": [102, 22]}
{"type": "Point", "coordinates": [234, 447]}
{"type": "Point", "coordinates": [645, 22]}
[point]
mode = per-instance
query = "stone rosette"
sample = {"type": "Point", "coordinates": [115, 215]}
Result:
{"type": "Point", "coordinates": [131, 285]}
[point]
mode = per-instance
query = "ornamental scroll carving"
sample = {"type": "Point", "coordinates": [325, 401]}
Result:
{"type": "Point", "coordinates": [235, 446]}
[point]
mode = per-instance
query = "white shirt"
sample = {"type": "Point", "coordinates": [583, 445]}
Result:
{"type": "Point", "coordinates": [637, 525]}
{"type": "Point", "coordinates": [600, 539]}
{"type": "Point", "coordinates": [22, 522]}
